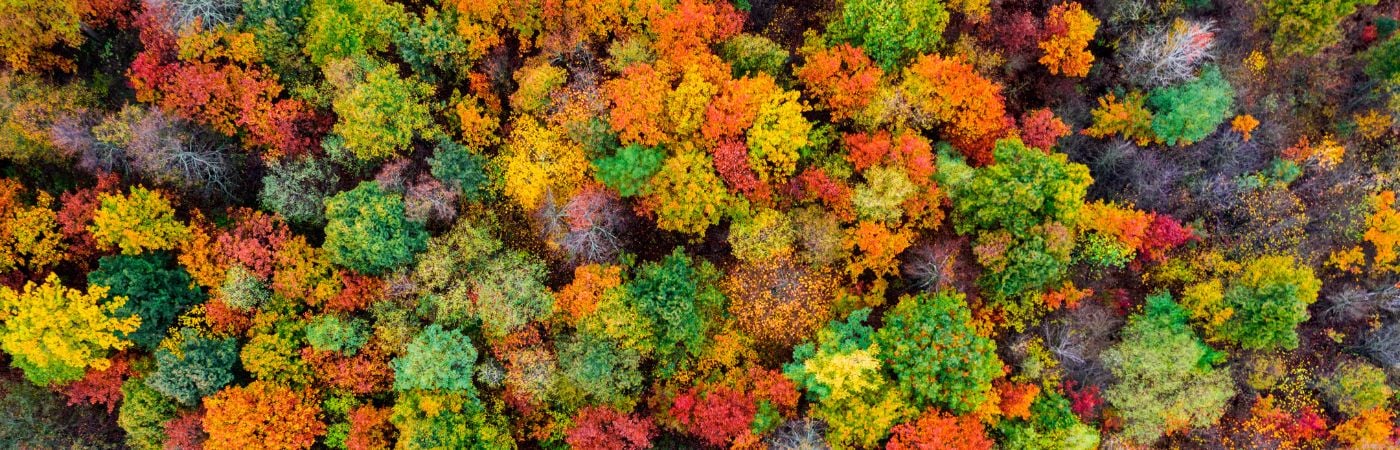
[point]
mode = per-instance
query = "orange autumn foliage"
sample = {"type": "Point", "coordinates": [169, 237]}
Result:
{"type": "Point", "coordinates": [1016, 398]}
{"type": "Point", "coordinates": [262, 415]}
{"type": "Point", "coordinates": [580, 297]}
{"type": "Point", "coordinates": [878, 247]}
{"type": "Point", "coordinates": [639, 105]}
{"type": "Point", "coordinates": [949, 92]}
{"type": "Point", "coordinates": [1372, 429]}
{"type": "Point", "coordinates": [735, 108]}
{"type": "Point", "coordinates": [935, 429]}
{"type": "Point", "coordinates": [842, 78]}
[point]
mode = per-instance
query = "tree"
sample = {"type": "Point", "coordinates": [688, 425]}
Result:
{"type": "Point", "coordinates": [36, 32]}
{"type": "Point", "coordinates": [1189, 112]}
{"type": "Point", "coordinates": [262, 415]}
{"type": "Point", "coordinates": [603, 428]}
{"type": "Point", "coordinates": [629, 170]}
{"type": "Point", "coordinates": [891, 33]}
{"type": "Point", "coordinates": [54, 334]}
{"type": "Point", "coordinates": [333, 334]}
{"type": "Point", "coordinates": [687, 196]}
{"type": "Point", "coordinates": [937, 429]}
{"type": "Point", "coordinates": [140, 221]}
{"type": "Point", "coordinates": [681, 297]}
{"type": "Point", "coordinates": [349, 28]}
{"type": "Point", "coordinates": [778, 131]}
{"type": "Point", "coordinates": [1166, 375]}
{"type": "Point", "coordinates": [842, 77]}
{"type": "Point", "coordinates": [1171, 55]}
{"type": "Point", "coordinates": [367, 231]}
{"type": "Point", "coordinates": [840, 371]}
{"type": "Point", "coordinates": [452, 420]}
{"type": "Point", "coordinates": [539, 161]}
{"type": "Point", "coordinates": [1129, 118]}
{"type": "Point", "coordinates": [157, 292]}
{"type": "Point", "coordinates": [1356, 387]}
{"type": "Point", "coordinates": [510, 293]}
{"type": "Point", "coordinates": [930, 345]}
{"type": "Point", "coordinates": [197, 366]}
{"type": "Point", "coordinates": [750, 55]}
{"type": "Point", "coordinates": [1068, 29]}
{"type": "Point", "coordinates": [30, 236]}
{"type": "Point", "coordinates": [1041, 129]}
{"type": "Point", "coordinates": [638, 100]}
{"type": "Point", "coordinates": [1051, 425]}
{"type": "Point", "coordinates": [1305, 27]}
{"type": "Point", "coordinates": [381, 116]}
{"type": "Point", "coordinates": [762, 236]}
{"type": "Point", "coordinates": [781, 302]}
{"type": "Point", "coordinates": [297, 188]}
{"type": "Point", "coordinates": [1269, 299]}
{"type": "Point", "coordinates": [948, 92]}
{"type": "Point", "coordinates": [143, 414]}
{"type": "Point", "coordinates": [604, 370]}
{"type": "Point", "coordinates": [461, 169]}
{"type": "Point", "coordinates": [437, 359]}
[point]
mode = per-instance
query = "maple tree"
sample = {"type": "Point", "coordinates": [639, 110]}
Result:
{"type": "Point", "coordinates": [937, 429]}
{"type": "Point", "coordinates": [842, 77]}
{"type": "Point", "coordinates": [598, 428]}
{"type": "Point", "coordinates": [949, 93]}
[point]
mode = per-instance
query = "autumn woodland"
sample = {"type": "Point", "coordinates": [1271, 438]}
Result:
{"type": "Point", "coordinates": [699, 224]}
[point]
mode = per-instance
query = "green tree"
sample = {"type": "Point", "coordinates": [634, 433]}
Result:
{"type": "Point", "coordinates": [461, 169]}
{"type": "Point", "coordinates": [937, 357]}
{"type": "Point", "coordinates": [629, 170]}
{"type": "Point", "coordinates": [681, 296]}
{"type": "Point", "coordinates": [438, 359]}
{"type": "Point", "coordinates": [196, 367]}
{"type": "Point", "coordinates": [157, 290]}
{"type": "Point", "coordinates": [1305, 27]}
{"type": "Point", "coordinates": [510, 293]}
{"type": "Point", "coordinates": [1051, 426]}
{"type": "Point", "coordinates": [1189, 112]}
{"type": "Point", "coordinates": [143, 414]}
{"type": "Point", "coordinates": [297, 189]}
{"type": "Point", "coordinates": [1355, 387]}
{"type": "Point", "coordinates": [333, 334]}
{"type": "Point", "coordinates": [349, 28]}
{"type": "Point", "coordinates": [602, 369]}
{"type": "Point", "coordinates": [430, 420]}
{"type": "Point", "coordinates": [367, 231]}
{"type": "Point", "coordinates": [1269, 299]}
{"type": "Point", "coordinates": [1166, 374]}
{"type": "Point", "coordinates": [891, 32]}
{"type": "Point", "coordinates": [380, 117]}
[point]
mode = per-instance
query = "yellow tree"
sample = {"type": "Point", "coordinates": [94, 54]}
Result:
{"type": "Point", "coordinates": [54, 334]}
{"type": "Point", "coordinates": [140, 221]}
{"type": "Point", "coordinates": [1068, 29]}
{"type": "Point", "coordinates": [538, 160]}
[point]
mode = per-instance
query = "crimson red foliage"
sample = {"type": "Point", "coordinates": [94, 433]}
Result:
{"type": "Point", "coordinates": [186, 432]}
{"type": "Point", "coordinates": [814, 183]}
{"type": "Point", "coordinates": [716, 415]}
{"type": "Point", "coordinates": [603, 428]}
{"type": "Point", "coordinates": [75, 214]}
{"type": "Point", "coordinates": [1041, 129]}
{"type": "Point", "coordinates": [1164, 234]}
{"type": "Point", "coordinates": [731, 159]}
{"type": "Point", "coordinates": [1020, 31]}
{"type": "Point", "coordinates": [253, 240]}
{"type": "Point", "coordinates": [100, 387]}
{"type": "Point", "coordinates": [1084, 402]}
{"type": "Point", "coordinates": [358, 293]}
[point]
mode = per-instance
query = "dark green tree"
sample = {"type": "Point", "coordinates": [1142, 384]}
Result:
{"type": "Point", "coordinates": [367, 231]}
{"type": "Point", "coordinates": [156, 289]}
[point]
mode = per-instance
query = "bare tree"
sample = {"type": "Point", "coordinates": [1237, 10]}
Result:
{"type": "Point", "coordinates": [1383, 346]}
{"type": "Point", "coordinates": [206, 13]}
{"type": "Point", "coordinates": [1171, 55]}
{"type": "Point", "coordinates": [596, 220]}
{"type": "Point", "coordinates": [799, 434]}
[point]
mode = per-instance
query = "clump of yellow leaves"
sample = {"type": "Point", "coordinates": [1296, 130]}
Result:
{"type": "Point", "coordinates": [55, 333]}
{"type": "Point", "coordinates": [142, 220]}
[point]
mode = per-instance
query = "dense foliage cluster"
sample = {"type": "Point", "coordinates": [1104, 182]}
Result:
{"type": "Point", "coordinates": [635, 224]}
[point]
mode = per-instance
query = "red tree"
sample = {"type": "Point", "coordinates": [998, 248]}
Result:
{"type": "Point", "coordinates": [602, 428]}
{"type": "Point", "coordinates": [937, 430]}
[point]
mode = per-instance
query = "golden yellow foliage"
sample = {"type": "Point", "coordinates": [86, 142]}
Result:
{"type": "Point", "coordinates": [1069, 28]}
{"type": "Point", "coordinates": [140, 221]}
{"type": "Point", "coordinates": [1373, 124]}
{"type": "Point", "coordinates": [539, 159]}
{"type": "Point", "coordinates": [778, 132]}
{"type": "Point", "coordinates": [29, 235]}
{"type": "Point", "coordinates": [55, 333]}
